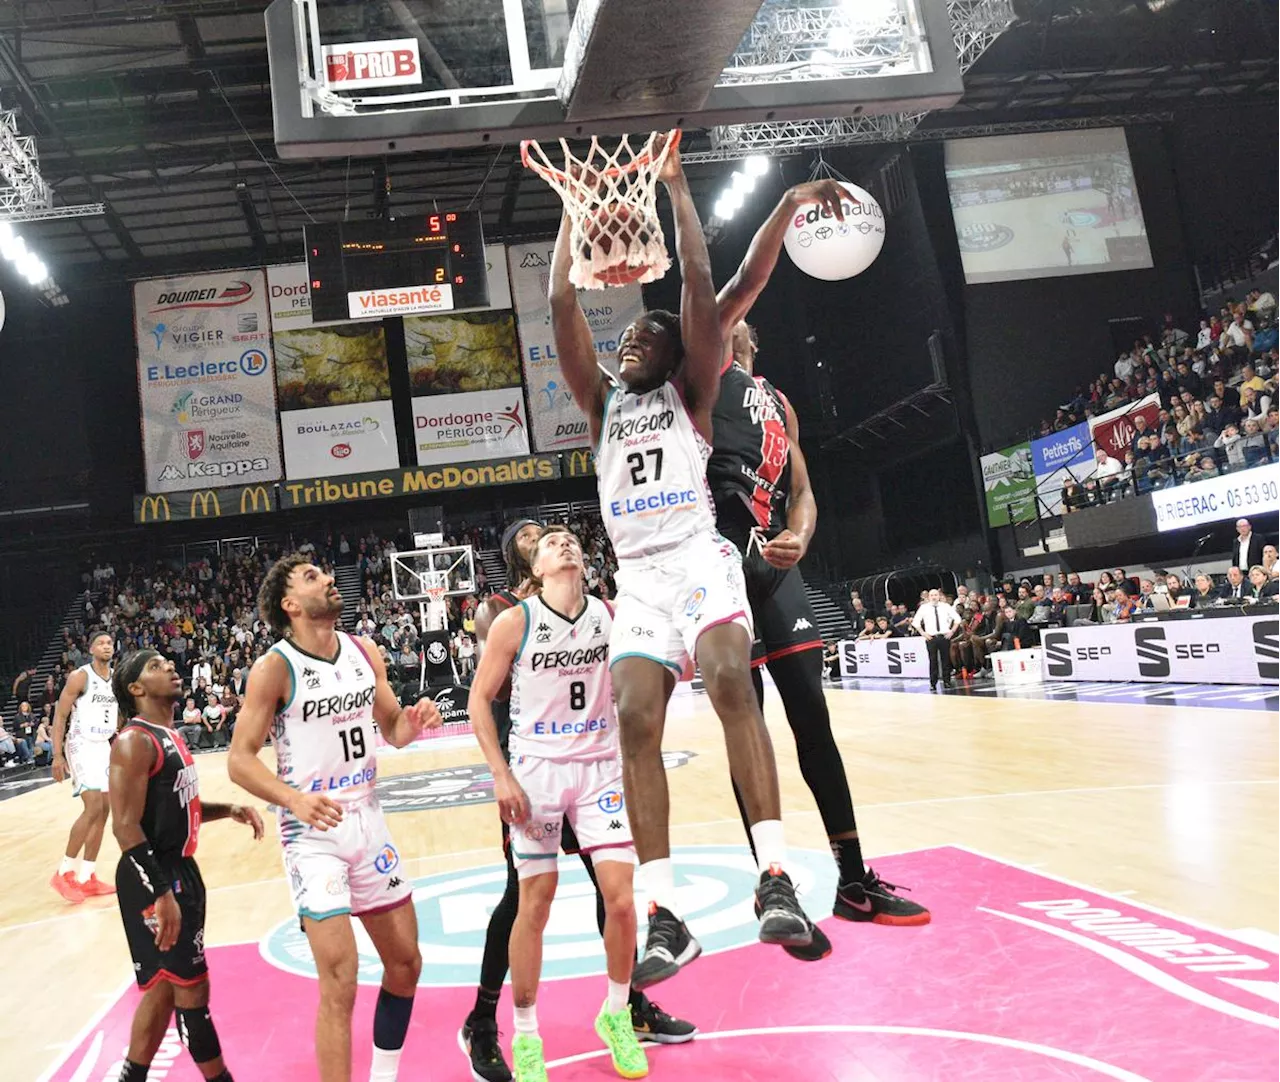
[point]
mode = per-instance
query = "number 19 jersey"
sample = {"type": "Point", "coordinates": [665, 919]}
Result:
{"type": "Point", "coordinates": [324, 735]}
{"type": "Point", "coordinates": [561, 696]}
{"type": "Point", "coordinates": [652, 471]}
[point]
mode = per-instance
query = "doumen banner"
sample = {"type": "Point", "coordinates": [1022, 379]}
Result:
{"type": "Point", "coordinates": [334, 386]}
{"type": "Point", "coordinates": [204, 503]}
{"type": "Point", "coordinates": [556, 420]}
{"type": "Point", "coordinates": [1010, 483]}
{"type": "Point", "coordinates": [206, 381]}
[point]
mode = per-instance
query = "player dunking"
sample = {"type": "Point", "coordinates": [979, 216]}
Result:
{"type": "Point", "coordinates": [156, 815]}
{"type": "Point", "coordinates": [680, 588]}
{"type": "Point", "coordinates": [765, 505]}
{"type": "Point", "coordinates": [84, 722]}
{"type": "Point", "coordinates": [553, 648]}
{"type": "Point", "coordinates": [320, 692]}
{"type": "Point", "coordinates": [479, 1034]}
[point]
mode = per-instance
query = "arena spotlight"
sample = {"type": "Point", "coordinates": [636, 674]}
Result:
{"type": "Point", "coordinates": [742, 182]}
{"type": "Point", "coordinates": [24, 260]}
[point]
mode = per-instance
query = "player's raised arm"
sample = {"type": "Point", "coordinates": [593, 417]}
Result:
{"type": "Point", "coordinates": [575, 347]}
{"type": "Point", "coordinates": [501, 647]}
{"type": "Point", "coordinates": [704, 345]}
{"type": "Point", "coordinates": [748, 282]}
{"type": "Point", "coordinates": [788, 548]}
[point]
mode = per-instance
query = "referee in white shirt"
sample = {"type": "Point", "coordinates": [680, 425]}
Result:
{"type": "Point", "coordinates": [937, 622]}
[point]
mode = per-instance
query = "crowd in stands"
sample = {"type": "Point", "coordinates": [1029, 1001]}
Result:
{"type": "Point", "coordinates": [1218, 404]}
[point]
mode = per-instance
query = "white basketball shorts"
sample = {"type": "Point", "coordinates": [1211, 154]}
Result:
{"type": "Point", "coordinates": [588, 794]}
{"type": "Point", "coordinates": [88, 761]}
{"type": "Point", "coordinates": [665, 601]}
{"type": "Point", "coordinates": [351, 868]}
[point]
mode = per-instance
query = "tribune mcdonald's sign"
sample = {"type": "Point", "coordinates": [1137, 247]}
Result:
{"type": "Point", "coordinates": [579, 463]}
{"type": "Point", "coordinates": [205, 503]}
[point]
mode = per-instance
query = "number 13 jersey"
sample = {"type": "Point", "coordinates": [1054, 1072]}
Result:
{"type": "Point", "coordinates": [324, 735]}
{"type": "Point", "coordinates": [652, 472]}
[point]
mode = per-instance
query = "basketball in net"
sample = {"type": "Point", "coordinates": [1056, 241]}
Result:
{"type": "Point", "coordinates": [610, 197]}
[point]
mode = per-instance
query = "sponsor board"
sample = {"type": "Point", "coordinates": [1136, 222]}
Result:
{"type": "Point", "coordinates": [1009, 480]}
{"type": "Point", "coordinates": [411, 482]}
{"type": "Point", "coordinates": [1055, 458]}
{"type": "Point", "coordinates": [335, 440]}
{"type": "Point", "coordinates": [1235, 495]}
{"type": "Point", "coordinates": [905, 658]}
{"type": "Point", "coordinates": [1114, 431]}
{"type": "Point", "coordinates": [474, 425]}
{"type": "Point", "coordinates": [557, 423]}
{"type": "Point", "coordinates": [289, 293]}
{"type": "Point", "coordinates": [204, 503]}
{"type": "Point", "coordinates": [358, 65]}
{"type": "Point", "coordinates": [1240, 650]}
{"type": "Point", "coordinates": [399, 301]}
{"type": "Point", "coordinates": [206, 385]}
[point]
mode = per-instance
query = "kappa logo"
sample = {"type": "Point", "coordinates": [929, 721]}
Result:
{"type": "Point", "coordinates": [614, 824]}
{"type": "Point", "coordinates": [311, 678]}
{"type": "Point", "coordinates": [543, 633]}
{"type": "Point", "coordinates": [802, 625]}
{"type": "Point", "coordinates": [394, 882]}
{"type": "Point", "coordinates": [715, 886]}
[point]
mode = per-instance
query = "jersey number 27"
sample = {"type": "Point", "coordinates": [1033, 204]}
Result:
{"type": "Point", "coordinates": [636, 464]}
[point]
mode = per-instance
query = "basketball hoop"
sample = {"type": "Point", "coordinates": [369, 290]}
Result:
{"type": "Point", "coordinates": [435, 594]}
{"type": "Point", "coordinates": [611, 200]}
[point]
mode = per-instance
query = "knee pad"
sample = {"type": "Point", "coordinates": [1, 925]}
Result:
{"type": "Point", "coordinates": [195, 1030]}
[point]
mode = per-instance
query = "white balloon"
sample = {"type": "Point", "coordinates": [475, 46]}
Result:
{"type": "Point", "coordinates": [824, 247]}
{"type": "Point", "coordinates": [1, 311]}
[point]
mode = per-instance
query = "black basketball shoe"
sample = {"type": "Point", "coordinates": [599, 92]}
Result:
{"type": "Point", "coordinates": [668, 948]}
{"type": "Point", "coordinates": [782, 920]}
{"type": "Point", "coordinates": [815, 951]}
{"type": "Point", "coordinates": [652, 1023]}
{"type": "Point", "coordinates": [873, 900]}
{"type": "Point", "coordinates": [478, 1039]}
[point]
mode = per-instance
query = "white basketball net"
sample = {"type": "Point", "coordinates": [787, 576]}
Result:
{"type": "Point", "coordinates": [611, 200]}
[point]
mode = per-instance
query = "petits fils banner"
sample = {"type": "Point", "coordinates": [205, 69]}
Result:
{"type": "Point", "coordinates": [204, 503]}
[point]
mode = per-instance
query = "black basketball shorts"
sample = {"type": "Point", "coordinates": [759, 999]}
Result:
{"type": "Point", "coordinates": [784, 620]}
{"type": "Point", "coordinates": [183, 964]}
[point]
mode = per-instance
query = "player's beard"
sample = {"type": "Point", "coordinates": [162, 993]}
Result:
{"type": "Point", "coordinates": [326, 608]}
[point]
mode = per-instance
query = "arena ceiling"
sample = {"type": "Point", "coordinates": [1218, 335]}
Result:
{"type": "Point", "coordinates": [161, 111]}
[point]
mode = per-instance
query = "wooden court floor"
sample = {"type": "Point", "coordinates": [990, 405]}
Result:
{"type": "Point", "coordinates": [1173, 807]}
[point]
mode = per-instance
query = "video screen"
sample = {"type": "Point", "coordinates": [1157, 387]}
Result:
{"type": "Point", "coordinates": [1045, 205]}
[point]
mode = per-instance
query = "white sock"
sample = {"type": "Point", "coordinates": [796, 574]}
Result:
{"type": "Point", "coordinates": [68, 865]}
{"type": "Point", "coordinates": [386, 1062]}
{"type": "Point", "coordinates": [656, 880]}
{"type": "Point", "coordinates": [771, 843]}
{"type": "Point", "coordinates": [619, 996]}
{"type": "Point", "coordinates": [86, 869]}
{"type": "Point", "coordinates": [527, 1020]}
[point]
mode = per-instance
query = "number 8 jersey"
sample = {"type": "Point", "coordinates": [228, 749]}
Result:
{"type": "Point", "coordinates": [652, 470]}
{"type": "Point", "coordinates": [324, 735]}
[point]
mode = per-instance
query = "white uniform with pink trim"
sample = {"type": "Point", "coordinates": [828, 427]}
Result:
{"type": "Point", "coordinates": [676, 575]}
{"type": "Point", "coordinates": [92, 724]}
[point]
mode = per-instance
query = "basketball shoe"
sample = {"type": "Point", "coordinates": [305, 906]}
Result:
{"type": "Point", "coordinates": [651, 1023]}
{"type": "Point", "coordinates": [873, 900]}
{"type": "Point", "coordinates": [814, 951]}
{"type": "Point", "coordinates": [782, 920]}
{"type": "Point", "coordinates": [478, 1038]}
{"type": "Point", "coordinates": [526, 1051]}
{"type": "Point", "coordinates": [66, 885]}
{"type": "Point", "coordinates": [667, 949]}
{"type": "Point", "coordinates": [629, 1060]}
{"type": "Point", "coordinates": [93, 887]}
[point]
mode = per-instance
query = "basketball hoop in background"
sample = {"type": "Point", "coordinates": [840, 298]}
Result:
{"type": "Point", "coordinates": [611, 199]}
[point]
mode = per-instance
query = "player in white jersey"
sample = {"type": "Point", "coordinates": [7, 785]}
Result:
{"type": "Point", "coordinates": [84, 721]}
{"type": "Point", "coordinates": [681, 594]}
{"type": "Point", "coordinates": [320, 692]}
{"type": "Point", "coordinates": [565, 764]}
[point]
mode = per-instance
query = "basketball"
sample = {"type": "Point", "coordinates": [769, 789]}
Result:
{"type": "Point", "coordinates": [613, 223]}
{"type": "Point", "coordinates": [824, 247]}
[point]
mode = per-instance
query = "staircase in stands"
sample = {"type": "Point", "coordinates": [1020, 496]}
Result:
{"type": "Point", "coordinates": [495, 571]}
{"type": "Point", "coordinates": [51, 659]}
{"type": "Point", "coordinates": [347, 577]}
{"type": "Point", "coordinates": [832, 620]}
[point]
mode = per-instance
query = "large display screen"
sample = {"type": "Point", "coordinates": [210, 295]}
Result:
{"type": "Point", "coordinates": [1045, 205]}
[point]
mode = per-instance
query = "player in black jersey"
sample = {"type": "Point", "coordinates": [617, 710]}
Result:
{"type": "Point", "coordinates": [479, 1034]}
{"type": "Point", "coordinates": [156, 814]}
{"type": "Point", "coordinates": [765, 505]}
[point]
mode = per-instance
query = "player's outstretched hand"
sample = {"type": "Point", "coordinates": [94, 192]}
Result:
{"type": "Point", "coordinates": [828, 193]}
{"type": "Point", "coordinates": [316, 810]}
{"type": "Point", "coordinates": [424, 714]}
{"type": "Point", "coordinates": [60, 769]}
{"type": "Point", "coordinates": [784, 551]}
{"type": "Point", "coordinates": [168, 921]}
{"type": "Point", "coordinates": [672, 167]}
{"type": "Point", "coordinates": [249, 817]}
{"type": "Point", "coordinates": [513, 803]}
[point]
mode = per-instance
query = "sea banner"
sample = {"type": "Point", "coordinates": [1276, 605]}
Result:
{"type": "Point", "coordinates": [206, 381]}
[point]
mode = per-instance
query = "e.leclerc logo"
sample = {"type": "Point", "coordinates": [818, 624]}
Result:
{"type": "Point", "coordinates": [252, 362]}
{"type": "Point", "coordinates": [715, 885]}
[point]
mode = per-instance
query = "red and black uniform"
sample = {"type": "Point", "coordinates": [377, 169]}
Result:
{"type": "Point", "coordinates": [171, 823]}
{"type": "Point", "coordinates": [750, 478]}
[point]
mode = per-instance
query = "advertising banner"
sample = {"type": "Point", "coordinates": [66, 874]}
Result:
{"type": "Point", "coordinates": [1055, 458]}
{"type": "Point", "coordinates": [204, 503]}
{"type": "Point", "coordinates": [906, 658]}
{"type": "Point", "coordinates": [1010, 483]}
{"type": "Point", "coordinates": [290, 293]}
{"type": "Point", "coordinates": [464, 373]}
{"type": "Point", "coordinates": [206, 381]}
{"type": "Point", "coordinates": [1235, 495]}
{"type": "Point", "coordinates": [1114, 431]}
{"type": "Point", "coordinates": [557, 422]}
{"type": "Point", "coordinates": [1230, 650]}
{"type": "Point", "coordinates": [323, 492]}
